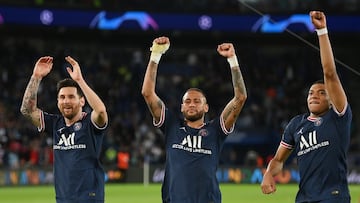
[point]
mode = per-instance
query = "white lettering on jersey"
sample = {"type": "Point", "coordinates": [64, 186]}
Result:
{"type": "Point", "coordinates": [310, 144]}
{"type": "Point", "coordinates": [195, 143]}
{"type": "Point", "coordinates": [67, 143]}
{"type": "Point", "coordinates": [192, 145]}
{"type": "Point", "coordinates": [311, 141]}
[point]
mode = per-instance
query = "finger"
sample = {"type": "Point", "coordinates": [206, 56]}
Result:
{"type": "Point", "coordinates": [162, 40]}
{"type": "Point", "coordinates": [69, 70]}
{"type": "Point", "coordinates": [268, 189]}
{"type": "Point", "coordinates": [49, 59]}
{"type": "Point", "coordinates": [70, 60]}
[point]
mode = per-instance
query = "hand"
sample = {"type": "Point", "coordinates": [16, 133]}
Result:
{"type": "Point", "coordinates": [268, 184]}
{"type": "Point", "coordinates": [43, 66]}
{"type": "Point", "coordinates": [160, 45]}
{"type": "Point", "coordinates": [318, 19]}
{"type": "Point", "coordinates": [226, 49]}
{"type": "Point", "coordinates": [75, 71]}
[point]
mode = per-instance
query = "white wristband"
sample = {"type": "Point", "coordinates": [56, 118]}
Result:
{"type": "Point", "coordinates": [233, 61]}
{"type": "Point", "coordinates": [155, 57]}
{"type": "Point", "coordinates": [321, 31]}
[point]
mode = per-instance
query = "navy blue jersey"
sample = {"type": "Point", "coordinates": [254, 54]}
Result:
{"type": "Point", "coordinates": [192, 157]}
{"type": "Point", "coordinates": [78, 175]}
{"type": "Point", "coordinates": [321, 146]}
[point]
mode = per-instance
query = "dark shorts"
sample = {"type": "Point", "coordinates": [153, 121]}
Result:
{"type": "Point", "coordinates": [336, 200]}
{"type": "Point", "coordinates": [79, 201]}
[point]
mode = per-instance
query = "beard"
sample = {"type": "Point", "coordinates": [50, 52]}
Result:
{"type": "Point", "coordinates": [194, 117]}
{"type": "Point", "coordinates": [69, 114]}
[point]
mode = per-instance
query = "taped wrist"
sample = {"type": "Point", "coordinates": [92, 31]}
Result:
{"type": "Point", "coordinates": [233, 62]}
{"type": "Point", "coordinates": [157, 50]}
{"type": "Point", "coordinates": [321, 31]}
{"type": "Point", "coordinates": [155, 57]}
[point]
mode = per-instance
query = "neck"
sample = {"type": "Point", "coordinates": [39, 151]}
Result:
{"type": "Point", "coordinates": [195, 124]}
{"type": "Point", "coordinates": [71, 121]}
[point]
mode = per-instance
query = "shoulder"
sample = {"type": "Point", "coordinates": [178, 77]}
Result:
{"type": "Point", "coordinates": [49, 116]}
{"type": "Point", "coordinates": [297, 119]}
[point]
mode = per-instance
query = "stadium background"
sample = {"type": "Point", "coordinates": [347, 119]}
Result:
{"type": "Point", "coordinates": [277, 69]}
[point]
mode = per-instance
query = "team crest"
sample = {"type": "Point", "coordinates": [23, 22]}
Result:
{"type": "Point", "coordinates": [318, 122]}
{"type": "Point", "coordinates": [203, 132]}
{"type": "Point", "coordinates": [77, 126]}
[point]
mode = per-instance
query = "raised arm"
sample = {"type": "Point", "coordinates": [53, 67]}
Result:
{"type": "Point", "coordinates": [233, 108]}
{"type": "Point", "coordinates": [29, 103]}
{"type": "Point", "coordinates": [154, 103]}
{"type": "Point", "coordinates": [98, 115]}
{"type": "Point", "coordinates": [332, 82]}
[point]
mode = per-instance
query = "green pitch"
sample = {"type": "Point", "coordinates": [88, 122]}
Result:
{"type": "Point", "coordinates": [137, 193]}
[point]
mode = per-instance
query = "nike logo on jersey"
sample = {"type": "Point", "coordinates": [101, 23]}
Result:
{"type": "Point", "coordinates": [300, 131]}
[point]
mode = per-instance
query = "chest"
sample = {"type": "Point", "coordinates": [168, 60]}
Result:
{"type": "Point", "coordinates": [313, 135]}
{"type": "Point", "coordinates": [71, 135]}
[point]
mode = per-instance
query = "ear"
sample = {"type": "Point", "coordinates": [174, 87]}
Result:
{"type": "Point", "coordinates": [206, 108]}
{"type": "Point", "coordinates": [57, 103]}
{"type": "Point", "coordinates": [182, 108]}
{"type": "Point", "coordinates": [82, 101]}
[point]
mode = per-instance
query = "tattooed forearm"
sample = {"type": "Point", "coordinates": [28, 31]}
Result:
{"type": "Point", "coordinates": [155, 108]}
{"type": "Point", "coordinates": [153, 73]}
{"type": "Point", "coordinates": [232, 109]}
{"type": "Point", "coordinates": [30, 97]}
{"type": "Point", "coordinates": [238, 82]}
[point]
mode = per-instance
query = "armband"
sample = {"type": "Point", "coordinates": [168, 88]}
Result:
{"type": "Point", "coordinates": [155, 56]}
{"type": "Point", "coordinates": [233, 61]}
{"type": "Point", "coordinates": [157, 50]}
{"type": "Point", "coordinates": [321, 31]}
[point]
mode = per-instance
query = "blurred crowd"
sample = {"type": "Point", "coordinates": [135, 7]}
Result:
{"type": "Point", "coordinates": [209, 6]}
{"type": "Point", "coordinates": [277, 79]}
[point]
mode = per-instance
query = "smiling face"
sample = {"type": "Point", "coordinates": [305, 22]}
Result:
{"type": "Point", "coordinates": [194, 105]}
{"type": "Point", "coordinates": [70, 103]}
{"type": "Point", "coordinates": [318, 100]}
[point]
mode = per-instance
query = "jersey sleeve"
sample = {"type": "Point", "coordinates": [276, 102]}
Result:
{"type": "Point", "coordinates": [162, 117]}
{"type": "Point", "coordinates": [287, 139]}
{"type": "Point", "coordinates": [223, 128]}
{"type": "Point", "coordinates": [46, 122]}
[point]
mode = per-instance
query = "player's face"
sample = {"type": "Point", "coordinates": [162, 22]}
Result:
{"type": "Point", "coordinates": [69, 102]}
{"type": "Point", "coordinates": [194, 106]}
{"type": "Point", "coordinates": [318, 100]}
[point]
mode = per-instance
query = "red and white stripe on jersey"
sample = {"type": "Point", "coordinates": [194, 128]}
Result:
{"type": "Point", "coordinates": [162, 117]}
{"type": "Point", "coordinates": [42, 122]}
{"type": "Point", "coordinates": [342, 112]}
{"type": "Point", "coordinates": [286, 145]}
{"type": "Point", "coordinates": [222, 124]}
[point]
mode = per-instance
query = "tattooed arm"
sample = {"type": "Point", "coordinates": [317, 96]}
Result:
{"type": "Point", "coordinates": [29, 104]}
{"type": "Point", "coordinates": [233, 108]}
{"type": "Point", "coordinates": [154, 103]}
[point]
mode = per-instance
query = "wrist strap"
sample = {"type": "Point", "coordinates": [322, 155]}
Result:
{"type": "Point", "coordinates": [155, 56]}
{"type": "Point", "coordinates": [233, 61]}
{"type": "Point", "coordinates": [321, 31]}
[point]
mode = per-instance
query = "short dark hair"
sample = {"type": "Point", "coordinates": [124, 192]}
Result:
{"type": "Point", "coordinates": [68, 82]}
{"type": "Point", "coordinates": [197, 90]}
{"type": "Point", "coordinates": [319, 82]}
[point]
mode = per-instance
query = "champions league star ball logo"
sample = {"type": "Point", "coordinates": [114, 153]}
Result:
{"type": "Point", "coordinates": [77, 126]}
{"type": "Point", "coordinates": [318, 122]}
{"type": "Point", "coordinates": [203, 132]}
